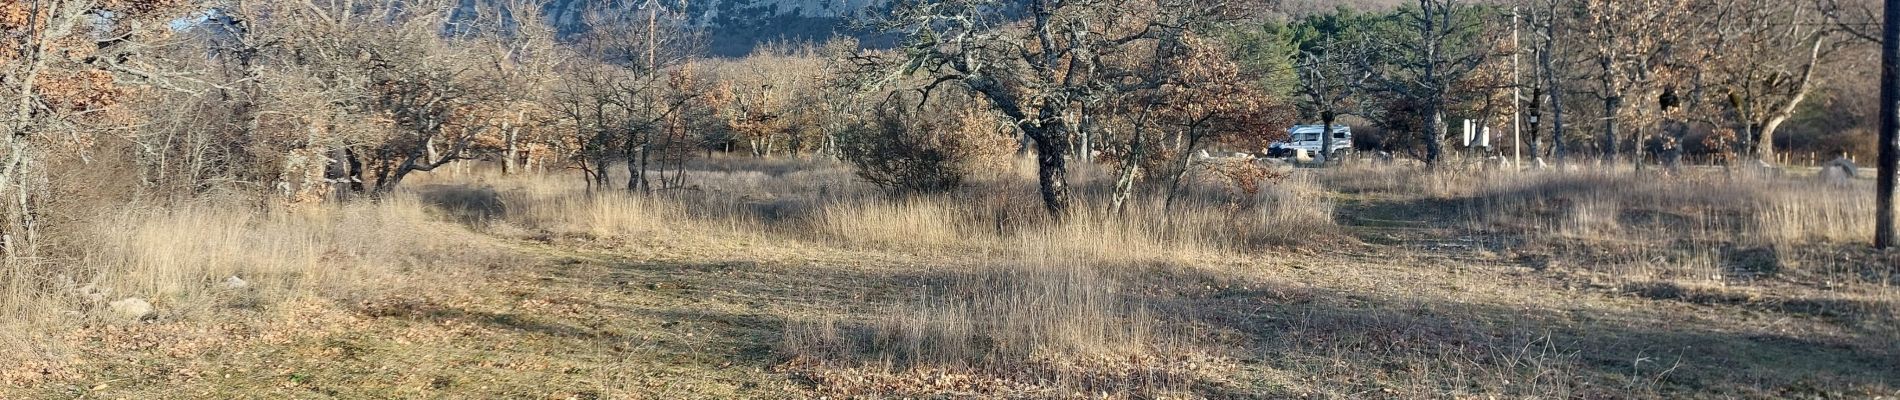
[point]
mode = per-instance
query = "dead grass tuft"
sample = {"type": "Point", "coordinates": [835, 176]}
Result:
{"type": "Point", "coordinates": [188, 261]}
{"type": "Point", "coordinates": [1050, 328]}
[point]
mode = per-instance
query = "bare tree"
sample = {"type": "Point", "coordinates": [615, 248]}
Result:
{"type": "Point", "coordinates": [1019, 71]}
{"type": "Point", "coordinates": [1330, 82]}
{"type": "Point", "coordinates": [1445, 42]}
{"type": "Point", "coordinates": [61, 62]}
{"type": "Point", "coordinates": [522, 63]}
{"type": "Point", "coordinates": [1860, 19]}
{"type": "Point", "coordinates": [1168, 92]}
{"type": "Point", "coordinates": [1213, 100]}
{"type": "Point", "coordinates": [590, 111]}
{"type": "Point", "coordinates": [1769, 52]}
{"type": "Point", "coordinates": [419, 71]}
{"type": "Point", "coordinates": [1034, 72]}
{"type": "Point", "coordinates": [1630, 43]}
{"type": "Point", "coordinates": [621, 94]}
{"type": "Point", "coordinates": [1550, 68]}
{"type": "Point", "coordinates": [425, 100]}
{"type": "Point", "coordinates": [761, 99]}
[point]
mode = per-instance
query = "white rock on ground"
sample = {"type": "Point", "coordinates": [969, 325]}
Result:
{"type": "Point", "coordinates": [234, 282]}
{"type": "Point", "coordinates": [133, 307]}
{"type": "Point", "coordinates": [1840, 172]}
{"type": "Point", "coordinates": [92, 293]}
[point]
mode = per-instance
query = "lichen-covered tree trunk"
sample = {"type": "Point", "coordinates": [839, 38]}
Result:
{"type": "Point", "coordinates": [21, 126]}
{"type": "Point", "coordinates": [1434, 134]}
{"type": "Point", "coordinates": [1125, 179]}
{"type": "Point", "coordinates": [1326, 141]}
{"type": "Point", "coordinates": [1611, 105]}
{"type": "Point", "coordinates": [511, 149]}
{"type": "Point", "coordinates": [1558, 149]}
{"type": "Point", "coordinates": [1052, 164]}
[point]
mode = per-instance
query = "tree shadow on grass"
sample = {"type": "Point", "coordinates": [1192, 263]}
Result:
{"type": "Point", "coordinates": [474, 206]}
{"type": "Point", "coordinates": [430, 311]}
{"type": "Point", "coordinates": [1357, 345]}
{"type": "Point", "coordinates": [1365, 345]}
{"type": "Point", "coordinates": [1292, 340]}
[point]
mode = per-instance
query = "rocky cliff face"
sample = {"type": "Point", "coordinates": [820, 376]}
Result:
{"type": "Point", "coordinates": [735, 27]}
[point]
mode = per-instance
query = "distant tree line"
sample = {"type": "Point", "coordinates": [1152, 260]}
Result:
{"type": "Point", "coordinates": [308, 101]}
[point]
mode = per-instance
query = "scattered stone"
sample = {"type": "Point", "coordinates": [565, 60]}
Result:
{"type": "Point", "coordinates": [135, 308]}
{"type": "Point", "coordinates": [92, 293]}
{"type": "Point", "coordinates": [1302, 156]}
{"type": "Point", "coordinates": [1751, 263]}
{"type": "Point", "coordinates": [1846, 166]}
{"type": "Point", "coordinates": [1840, 172]}
{"type": "Point", "coordinates": [234, 282]}
{"type": "Point", "coordinates": [1766, 169]}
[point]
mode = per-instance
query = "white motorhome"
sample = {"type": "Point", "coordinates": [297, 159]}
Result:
{"type": "Point", "coordinates": [1307, 139]}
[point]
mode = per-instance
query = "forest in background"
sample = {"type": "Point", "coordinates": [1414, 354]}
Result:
{"type": "Point", "coordinates": [303, 100]}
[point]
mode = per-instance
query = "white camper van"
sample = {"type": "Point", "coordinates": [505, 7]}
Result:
{"type": "Point", "coordinates": [1306, 139]}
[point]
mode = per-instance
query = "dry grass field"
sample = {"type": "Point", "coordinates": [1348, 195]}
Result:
{"type": "Point", "coordinates": [789, 279]}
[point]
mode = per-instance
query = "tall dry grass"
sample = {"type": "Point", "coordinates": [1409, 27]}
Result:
{"type": "Point", "coordinates": [187, 260]}
{"type": "Point", "coordinates": [1040, 303]}
{"type": "Point", "coordinates": [1282, 215]}
{"type": "Point", "coordinates": [1786, 247]}
{"type": "Point", "coordinates": [1008, 301]}
{"type": "Point", "coordinates": [1700, 226]}
{"type": "Point", "coordinates": [994, 312]}
{"type": "Point", "coordinates": [1047, 326]}
{"type": "Point", "coordinates": [821, 203]}
{"type": "Point", "coordinates": [1742, 205]}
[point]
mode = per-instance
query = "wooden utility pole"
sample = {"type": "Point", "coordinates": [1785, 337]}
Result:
{"type": "Point", "coordinates": [653, 44]}
{"type": "Point", "coordinates": [1888, 179]}
{"type": "Point", "coordinates": [1517, 97]}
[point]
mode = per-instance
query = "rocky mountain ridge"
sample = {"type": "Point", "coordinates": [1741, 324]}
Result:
{"type": "Point", "coordinates": [734, 27]}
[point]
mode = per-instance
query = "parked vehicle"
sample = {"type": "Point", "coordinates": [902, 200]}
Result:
{"type": "Point", "coordinates": [1307, 139]}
